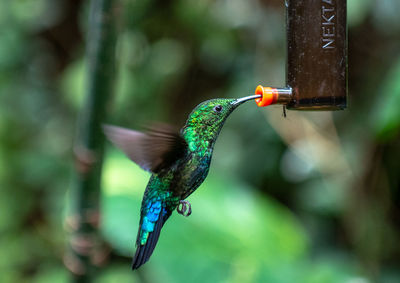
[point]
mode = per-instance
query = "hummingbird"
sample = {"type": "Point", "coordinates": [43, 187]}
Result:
{"type": "Point", "coordinates": [179, 162]}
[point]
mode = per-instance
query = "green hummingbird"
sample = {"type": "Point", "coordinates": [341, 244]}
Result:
{"type": "Point", "coordinates": [179, 162]}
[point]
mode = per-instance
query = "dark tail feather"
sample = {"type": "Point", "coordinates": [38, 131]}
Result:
{"type": "Point", "coordinates": [143, 252]}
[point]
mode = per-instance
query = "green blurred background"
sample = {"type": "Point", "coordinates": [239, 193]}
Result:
{"type": "Point", "coordinates": [310, 198]}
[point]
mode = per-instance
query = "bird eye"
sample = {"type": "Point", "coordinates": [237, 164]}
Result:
{"type": "Point", "coordinates": [218, 108]}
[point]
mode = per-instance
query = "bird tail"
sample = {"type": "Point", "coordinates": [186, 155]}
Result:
{"type": "Point", "coordinates": [143, 252]}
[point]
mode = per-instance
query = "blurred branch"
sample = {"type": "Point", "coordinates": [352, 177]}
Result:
{"type": "Point", "coordinates": [86, 246]}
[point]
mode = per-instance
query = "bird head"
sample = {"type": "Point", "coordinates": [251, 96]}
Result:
{"type": "Point", "coordinates": [209, 116]}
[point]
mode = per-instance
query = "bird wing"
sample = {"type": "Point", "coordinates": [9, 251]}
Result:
{"type": "Point", "coordinates": [154, 150]}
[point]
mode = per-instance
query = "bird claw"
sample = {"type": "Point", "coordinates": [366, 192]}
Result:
{"type": "Point", "coordinates": [184, 208]}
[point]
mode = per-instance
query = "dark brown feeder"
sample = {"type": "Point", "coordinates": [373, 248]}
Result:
{"type": "Point", "coordinates": [316, 74]}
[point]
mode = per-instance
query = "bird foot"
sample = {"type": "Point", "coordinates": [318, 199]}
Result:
{"type": "Point", "coordinates": [184, 208]}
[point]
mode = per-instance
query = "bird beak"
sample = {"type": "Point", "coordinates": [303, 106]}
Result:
{"type": "Point", "coordinates": [239, 101]}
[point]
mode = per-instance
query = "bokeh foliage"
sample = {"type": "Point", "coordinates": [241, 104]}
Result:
{"type": "Point", "coordinates": [310, 198]}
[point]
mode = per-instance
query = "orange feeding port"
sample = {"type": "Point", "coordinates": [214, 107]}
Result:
{"type": "Point", "coordinates": [269, 95]}
{"type": "Point", "coordinates": [272, 95]}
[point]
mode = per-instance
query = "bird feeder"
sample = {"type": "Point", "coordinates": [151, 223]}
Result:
{"type": "Point", "coordinates": [316, 67]}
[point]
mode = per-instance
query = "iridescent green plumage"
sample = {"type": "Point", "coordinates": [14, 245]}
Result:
{"type": "Point", "coordinates": [179, 162]}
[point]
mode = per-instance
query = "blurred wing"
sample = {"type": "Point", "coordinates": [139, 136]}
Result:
{"type": "Point", "coordinates": [130, 142]}
{"type": "Point", "coordinates": [159, 148]}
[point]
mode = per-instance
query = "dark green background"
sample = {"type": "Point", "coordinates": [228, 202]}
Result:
{"type": "Point", "coordinates": [310, 198]}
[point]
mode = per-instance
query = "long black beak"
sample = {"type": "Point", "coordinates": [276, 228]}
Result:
{"type": "Point", "coordinates": [239, 101]}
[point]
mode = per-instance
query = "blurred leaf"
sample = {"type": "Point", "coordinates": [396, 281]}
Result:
{"type": "Point", "coordinates": [217, 52]}
{"type": "Point", "coordinates": [117, 274]}
{"type": "Point", "coordinates": [357, 10]}
{"type": "Point", "coordinates": [50, 273]}
{"type": "Point", "coordinates": [333, 270]}
{"type": "Point", "coordinates": [386, 114]}
{"type": "Point", "coordinates": [11, 49]}
{"type": "Point", "coordinates": [72, 83]}
{"type": "Point", "coordinates": [175, 62]}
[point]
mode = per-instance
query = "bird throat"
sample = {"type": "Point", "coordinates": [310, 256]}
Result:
{"type": "Point", "coordinates": [200, 140]}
